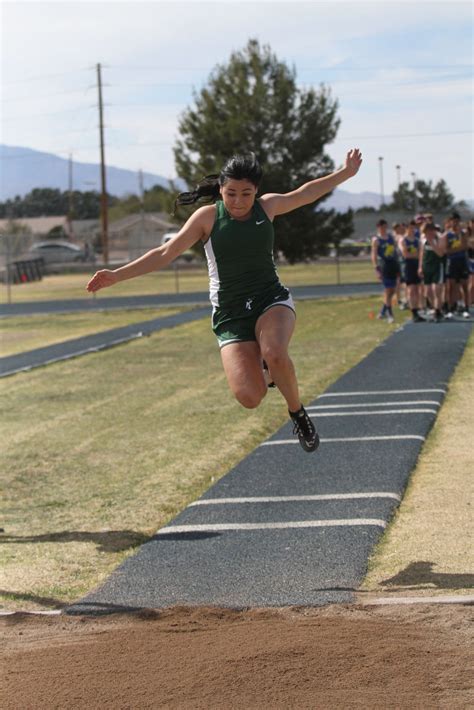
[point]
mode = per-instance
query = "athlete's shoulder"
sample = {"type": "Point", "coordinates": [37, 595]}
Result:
{"type": "Point", "coordinates": [206, 211]}
{"type": "Point", "coordinates": [263, 207]}
{"type": "Point", "coordinates": [203, 219]}
{"type": "Point", "coordinates": [205, 215]}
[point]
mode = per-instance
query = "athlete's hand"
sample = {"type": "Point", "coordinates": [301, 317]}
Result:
{"type": "Point", "coordinates": [102, 279]}
{"type": "Point", "coordinates": [353, 161]}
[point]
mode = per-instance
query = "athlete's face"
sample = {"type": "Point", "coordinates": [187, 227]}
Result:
{"type": "Point", "coordinates": [238, 197]}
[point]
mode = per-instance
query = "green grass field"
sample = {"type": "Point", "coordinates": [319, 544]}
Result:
{"type": "Point", "coordinates": [25, 333]}
{"type": "Point", "coordinates": [93, 461]}
{"type": "Point", "coordinates": [73, 285]}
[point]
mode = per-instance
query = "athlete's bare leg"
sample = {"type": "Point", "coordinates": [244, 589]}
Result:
{"type": "Point", "coordinates": [388, 296]}
{"type": "Point", "coordinates": [243, 368]}
{"type": "Point", "coordinates": [464, 288]}
{"type": "Point", "coordinates": [273, 330]}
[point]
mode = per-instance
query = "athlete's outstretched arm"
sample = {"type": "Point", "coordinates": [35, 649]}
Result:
{"type": "Point", "coordinates": [155, 259]}
{"type": "Point", "coordinates": [276, 204]}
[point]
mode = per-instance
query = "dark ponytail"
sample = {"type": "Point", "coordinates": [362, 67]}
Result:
{"type": "Point", "coordinates": [238, 167]}
{"type": "Point", "coordinates": [206, 190]}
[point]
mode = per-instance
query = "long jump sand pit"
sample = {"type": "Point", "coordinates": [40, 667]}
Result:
{"type": "Point", "coordinates": [358, 656]}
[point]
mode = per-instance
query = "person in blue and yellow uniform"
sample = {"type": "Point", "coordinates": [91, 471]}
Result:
{"type": "Point", "coordinates": [385, 261]}
{"type": "Point", "coordinates": [410, 248]}
{"type": "Point", "coordinates": [253, 315]}
{"type": "Point", "coordinates": [454, 242]}
{"type": "Point", "coordinates": [470, 257]}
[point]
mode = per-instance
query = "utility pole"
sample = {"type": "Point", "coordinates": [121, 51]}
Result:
{"type": "Point", "coordinates": [103, 197]}
{"type": "Point", "coordinates": [142, 209]}
{"type": "Point", "coordinates": [70, 200]}
{"type": "Point", "coordinates": [140, 190]}
{"type": "Point", "coordinates": [382, 196]}
{"type": "Point", "coordinates": [398, 167]}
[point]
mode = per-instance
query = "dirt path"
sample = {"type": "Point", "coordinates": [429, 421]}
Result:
{"type": "Point", "coordinates": [330, 657]}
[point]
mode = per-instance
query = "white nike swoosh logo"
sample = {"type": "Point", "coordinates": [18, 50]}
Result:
{"type": "Point", "coordinates": [260, 222]}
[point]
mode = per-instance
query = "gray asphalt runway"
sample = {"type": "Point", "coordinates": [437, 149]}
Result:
{"type": "Point", "coordinates": [38, 357]}
{"type": "Point", "coordinates": [11, 364]}
{"type": "Point", "coordinates": [289, 528]}
{"type": "Point", "coordinates": [107, 303]}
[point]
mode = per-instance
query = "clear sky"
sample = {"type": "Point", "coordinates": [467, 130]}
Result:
{"type": "Point", "coordinates": [402, 72]}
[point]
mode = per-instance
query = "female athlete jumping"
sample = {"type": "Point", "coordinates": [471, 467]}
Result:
{"type": "Point", "coordinates": [253, 315]}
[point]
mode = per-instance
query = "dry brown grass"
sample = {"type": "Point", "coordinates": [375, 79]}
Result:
{"type": "Point", "coordinates": [428, 548]}
{"type": "Point", "coordinates": [94, 462]}
{"type": "Point", "coordinates": [63, 286]}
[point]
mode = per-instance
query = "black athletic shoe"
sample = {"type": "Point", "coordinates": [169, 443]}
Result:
{"type": "Point", "coordinates": [304, 428]}
{"type": "Point", "coordinates": [418, 319]}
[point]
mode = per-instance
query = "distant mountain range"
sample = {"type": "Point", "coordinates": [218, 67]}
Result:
{"type": "Point", "coordinates": [23, 169]}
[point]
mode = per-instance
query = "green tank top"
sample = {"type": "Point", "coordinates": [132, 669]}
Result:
{"type": "Point", "coordinates": [430, 257]}
{"type": "Point", "coordinates": [240, 257]}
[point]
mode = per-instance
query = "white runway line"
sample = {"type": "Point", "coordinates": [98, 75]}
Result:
{"type": "Point", "coordinates": [377, 412]}
{"type": "Point", "coordinates": [392, 437]}
{"type": "Point", "coordinates": [364, 394]}
{"type": "Point", "coordinates": [56, 612]}
{"type": "Point", "coordinates": [288, 499]}
{"type": "Point", "coordinates": [445, 599]}
{"type": "Point", "coordinates": [73, 354]}
{"type": "Point", "coordinates": [222, 527]}
{"type": "Point", "coordinates": [373, 404]}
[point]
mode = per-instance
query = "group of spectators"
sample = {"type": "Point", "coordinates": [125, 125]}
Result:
{"type": "Point", "coordinates": [428, 267]}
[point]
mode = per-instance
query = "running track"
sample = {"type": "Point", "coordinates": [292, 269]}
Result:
{"type": "Point", "coordinates": [107, 303]}
{"type": "Point", "coordinates": [12, 364]}
{"type": "Point", "coordinates": [289, 528]}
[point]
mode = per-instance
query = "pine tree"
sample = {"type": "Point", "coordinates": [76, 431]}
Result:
{"type": "Point", "coordinates": [253, 103]}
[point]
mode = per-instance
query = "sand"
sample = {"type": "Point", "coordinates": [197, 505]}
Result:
{"type": "Point", "coordinates": [331, 657]}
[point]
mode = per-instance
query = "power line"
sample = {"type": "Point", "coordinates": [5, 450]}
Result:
{"type": "Point", "coordinates": [44, 76]}
{"type": "Point", "coordinates": [160, 84]}
{"type": "Point", "coordinates": [159, 67]}
{"type": "Point", "coordinates": [404, 135]}
{"type": "Point", "coordinates": [46, 96]}
{"type": "Point", "coordinates": [41, 115]}
{"type": "Point", "coordinates": [170, 143]}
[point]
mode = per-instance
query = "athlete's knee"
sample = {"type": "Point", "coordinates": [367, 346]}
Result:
{"type": "Point", "coordinates": [250, 399]}
{"type": "Point", "coordinates": [275, 356]}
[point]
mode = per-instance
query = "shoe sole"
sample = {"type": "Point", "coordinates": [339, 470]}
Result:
{"type": "Point", "coordinates": [309, 449]}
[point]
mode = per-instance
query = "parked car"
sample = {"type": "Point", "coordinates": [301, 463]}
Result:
{"type": "Point", "coordinates": [56, 252]}
{"type": "Point", "coordinates": [349, 247]}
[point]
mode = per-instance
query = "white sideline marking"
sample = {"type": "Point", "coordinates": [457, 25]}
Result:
{"type": "Point", "coordinates": [377, 412]}
{"type": "Point", "coordinates": [363, 394]}
{"type": "Point", "coordinates": [56, 612]}
{"type": "Point", "coordinates": [71, 355]}
{"type": "Point", "coordinates": [285, 499]}
{"type": "Point", "coordinates": [445, 599]}
{"type": "Point", "coordinates": [216, 527]}
{"type": "Point", "coordinates": [350, 438]}
{"type": "Point", "coordinates": [373, 404]}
